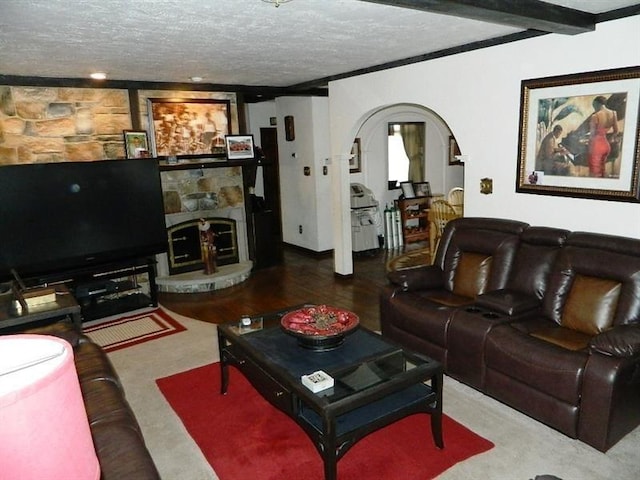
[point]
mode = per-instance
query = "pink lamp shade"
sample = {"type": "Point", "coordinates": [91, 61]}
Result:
{"type": "Point", "coordinates": [44, 431]}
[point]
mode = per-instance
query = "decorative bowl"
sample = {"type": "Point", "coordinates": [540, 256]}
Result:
{"type": "Point", "coordinates": [320, 327]}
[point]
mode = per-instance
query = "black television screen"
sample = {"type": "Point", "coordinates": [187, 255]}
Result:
{"type": "Point", "coordinates": [61, 216]}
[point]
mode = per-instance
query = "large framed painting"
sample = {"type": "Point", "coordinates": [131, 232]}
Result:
{"type": "Point", "coordinates": [195, 128]}
{"type": "Point", "coordinates": [579, 135]}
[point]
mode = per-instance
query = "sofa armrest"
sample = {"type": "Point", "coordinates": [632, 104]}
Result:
{"type": "Point", "coordinates": [620, 341]}
{"type": "Point", "coordinates": [421, 278]}
{"type": "Point", "coordinates": [507, 302]}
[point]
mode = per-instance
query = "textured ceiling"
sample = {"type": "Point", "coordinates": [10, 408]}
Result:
{"type": "Point", "coordinates": [236, 42]}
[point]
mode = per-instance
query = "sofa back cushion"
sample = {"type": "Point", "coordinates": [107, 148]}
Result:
{"type": "Point", "coordinates": [487, 245]}
{"type": "Point", "coordinates": [537, 252]}
{"type": "Point", "coordinates": [472, 275]}
{"type": "Point", "coordinates": [591, 304]}
{"type": "Point", "coordinates": [595, 283]}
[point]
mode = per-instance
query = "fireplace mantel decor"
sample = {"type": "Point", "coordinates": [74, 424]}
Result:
{"type": "Point", "coordinates": [189, 127]}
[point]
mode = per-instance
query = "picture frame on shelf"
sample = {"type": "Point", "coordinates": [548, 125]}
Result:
{"type": "Point", "coordinates": [579, 135]}
{"type": "Point", "coordinates": [355, 159]}
{"type": "Point", "coordinates": [407, 189]}
{"type": "Point", "coordinates": [422, 189]}
{"type": "Point", "coordinates": [239, 147]}
{"type": "Point", "coordinates": [192, 128]}
{"type": "Point", "coordinates": [136, 144]}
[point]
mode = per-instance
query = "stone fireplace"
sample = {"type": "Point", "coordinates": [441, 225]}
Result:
{"type": "Point", "coordinates": [215, 194]}
{"type": "Point", "coordinates": [185, 253]}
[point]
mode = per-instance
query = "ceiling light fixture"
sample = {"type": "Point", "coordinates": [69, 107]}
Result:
{"type": "Point", "coordinates": [98, 76]}
{"type": "Point", "coordinates": [196, 79]}
{"type": "Point", "coordinates": [277, 3]}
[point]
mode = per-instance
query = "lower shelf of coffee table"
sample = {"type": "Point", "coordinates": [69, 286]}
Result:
{"type": "Point", "coordinates": [370, 417]}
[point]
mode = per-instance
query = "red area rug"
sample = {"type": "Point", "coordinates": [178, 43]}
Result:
{"type": "Point", "coordinates": [244, 437]}
{"type": "Point", "coordinates": [132, 330]}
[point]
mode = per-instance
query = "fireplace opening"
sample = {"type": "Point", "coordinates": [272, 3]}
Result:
{"type": "Point", "coordinates": [185, 254]}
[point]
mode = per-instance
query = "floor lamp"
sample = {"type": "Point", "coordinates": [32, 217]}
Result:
{"type": "Point", "coordinates": [44, 431]}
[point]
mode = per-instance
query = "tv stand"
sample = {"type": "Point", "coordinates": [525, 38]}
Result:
{"type": "Point", "coordinates": [115, 288]}
{"type": "Point", "coordinates": [109, 288]}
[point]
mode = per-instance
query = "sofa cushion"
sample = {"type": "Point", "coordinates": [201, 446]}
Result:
{"type": "Point", "coordinates": [472, 274]}
{"type": "Point", "coordinates": [563, 337]}
{"type": "Point", "coordinates": [539, 364]}
{"type": "Point", "coordinates": [591, 304]}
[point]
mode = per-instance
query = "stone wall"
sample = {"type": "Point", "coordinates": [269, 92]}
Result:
{"type": "Point", "coordinates": [202, 189]}
{"type": "Point", "coordinates": [54, 124]}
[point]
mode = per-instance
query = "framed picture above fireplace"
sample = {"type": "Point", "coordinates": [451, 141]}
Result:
{"type": "Point", "coordinates": [194, 128]}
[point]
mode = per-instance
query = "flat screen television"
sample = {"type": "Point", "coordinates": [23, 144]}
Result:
{"type": "Point", "coordinates": [55, 217]}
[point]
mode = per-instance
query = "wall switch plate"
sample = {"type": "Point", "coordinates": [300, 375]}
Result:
{"type": "Point", "coordinates": [486, 186]}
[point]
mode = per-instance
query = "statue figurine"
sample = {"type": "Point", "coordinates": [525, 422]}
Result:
{"type": "Point", "coordinates": [207, 244]}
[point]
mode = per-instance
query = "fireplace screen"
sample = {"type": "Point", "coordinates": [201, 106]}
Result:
{"type": "Point", "coordinates": [185, 254]}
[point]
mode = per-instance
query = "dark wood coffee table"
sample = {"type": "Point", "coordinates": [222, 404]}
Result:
{"type": "Point", "coordinates": [376, 382]}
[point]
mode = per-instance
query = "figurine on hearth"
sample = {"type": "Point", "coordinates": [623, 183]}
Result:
{"type": "Point", "coordinates": [207, 244]}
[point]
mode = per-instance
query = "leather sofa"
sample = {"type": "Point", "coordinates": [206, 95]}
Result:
{"type": "Point", "coordinates": [117, 437]}
{"type": "Point", "coordinates": [542, 319]}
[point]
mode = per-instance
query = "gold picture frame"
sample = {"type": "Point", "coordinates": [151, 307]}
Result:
{"type": "Point", "coordinates": [579, 135]}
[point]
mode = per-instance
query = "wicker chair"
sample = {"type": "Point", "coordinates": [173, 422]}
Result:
{"type": "Point", "coordinates": [441, 212]}
{"type": "Point", "coordinates": [456, 198]}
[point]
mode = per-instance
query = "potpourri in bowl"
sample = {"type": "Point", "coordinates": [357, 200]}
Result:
{"type": "Point", "coordinates": [320, 327]}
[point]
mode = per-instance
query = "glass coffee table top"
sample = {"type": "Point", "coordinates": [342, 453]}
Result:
{"type": "Point", "coordinates": [365, 360]}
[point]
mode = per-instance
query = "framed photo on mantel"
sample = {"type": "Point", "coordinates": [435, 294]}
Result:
{"type": "Point", "coordinates": [239, 147]}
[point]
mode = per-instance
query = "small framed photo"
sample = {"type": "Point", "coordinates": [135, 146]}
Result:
{"type": "Point", "coordinates": [239, 147]}
{"type": "Point", "coordinates": [355, 160]}
{"type": "Point", "coordinates": [407, 189]}
{"type": "Point", "coordinates": [136, 143]}
{"type": "Point", "coordinates": [454, 151]}
{"type": "Point", "coordinates": [422, 189]}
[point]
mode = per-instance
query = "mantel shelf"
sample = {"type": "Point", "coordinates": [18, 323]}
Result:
{"type": "Point", "coordinates": [195, 162]}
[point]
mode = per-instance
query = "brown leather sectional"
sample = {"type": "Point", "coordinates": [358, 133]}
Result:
{"type": "Point", "coordinates": [116, 434]}
{"type": "Point", "coordinates": [543, 319]}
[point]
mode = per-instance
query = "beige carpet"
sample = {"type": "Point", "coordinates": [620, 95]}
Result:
{"type": "Point", "coordinates": [524, 448]}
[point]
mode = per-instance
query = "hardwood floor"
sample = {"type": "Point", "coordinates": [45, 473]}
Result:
{"type": "Point", "coordinates": [301, 279]}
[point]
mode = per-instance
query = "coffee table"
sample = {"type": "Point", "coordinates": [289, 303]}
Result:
{"type": "Point", "coordinates": [377, 382]}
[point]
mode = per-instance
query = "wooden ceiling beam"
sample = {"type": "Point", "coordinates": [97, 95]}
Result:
{"type": "Point", "coordinates": [526, 14]}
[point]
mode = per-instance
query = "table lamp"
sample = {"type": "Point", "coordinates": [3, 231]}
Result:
{"type": "Point", "coordinates": [44, 431]}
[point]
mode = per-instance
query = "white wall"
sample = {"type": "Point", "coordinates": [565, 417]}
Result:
{"type": "Point", "coordinates": [478, 95]}
{"type": "Point", "coordinates": [305, 199]}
